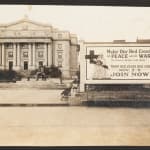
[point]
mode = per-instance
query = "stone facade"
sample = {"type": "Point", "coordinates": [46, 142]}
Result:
{"type": "Point", "coordinates": [25, 45]}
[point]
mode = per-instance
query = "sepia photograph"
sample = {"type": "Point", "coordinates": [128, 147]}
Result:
{"type": "Point", "coordinates": [74, 75]}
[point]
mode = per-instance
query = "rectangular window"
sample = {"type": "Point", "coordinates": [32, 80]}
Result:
{"type": "Point", "coordinates": [59, 55]}
{"type": "Point", "coordinates": [10, 54]}
{"type": "Point", "coordinates": [8, 45]}
{"type": "Point", "coordinates": [24, 46]}
{"type": "Point", "coordinates": [39, 45]}
{"type": "Point", "coordinates": [40, 54]}
{"type": "Point", "coordinates": [25, 54]}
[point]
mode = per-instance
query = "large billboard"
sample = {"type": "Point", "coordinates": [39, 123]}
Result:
{"type": "Point", "coordinates": [117, 62]}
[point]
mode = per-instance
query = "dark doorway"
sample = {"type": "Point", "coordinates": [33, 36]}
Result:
{"type": "Point", "coordinates": [25, 65]}
{"type": "Point", "coordinates": [40, 63]}
{"type": "Point", "coordinates": [10, 65]}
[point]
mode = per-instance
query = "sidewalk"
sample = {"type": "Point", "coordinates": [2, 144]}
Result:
{"type": "Point", "coordinates": [32, 93]}
{"type": "Point", "coordinates": [51, 83]}
{"type": "Point", "coordinates": [36, 93]}
{"type": "Point", "coordinates": [32, 97]}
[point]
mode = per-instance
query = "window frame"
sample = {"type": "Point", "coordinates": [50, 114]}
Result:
{"type": "Point", "coordinates": [10, 54]}
{"type": "Point", "coordinates": [39, 45]}
{"type": "Point", "coordinates": [25, 56]}
{"type": "Point", "coordinates": [9, 45]}
{"type": "Point", "coordinates": [24, 46]}
{"type": "Point", "coordinates": [40, 54]}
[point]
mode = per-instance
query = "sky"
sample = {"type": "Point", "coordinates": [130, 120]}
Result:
{"type": "Point", "coordinates": [90, 23]}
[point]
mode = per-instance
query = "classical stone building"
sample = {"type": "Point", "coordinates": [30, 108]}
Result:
{"type": "Point", "coordinates": [25, 45]}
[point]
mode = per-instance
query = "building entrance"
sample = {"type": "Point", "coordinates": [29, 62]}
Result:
{"type": "Point", "coordinates": [40, 63]}
{"type": "Point", "coordinates": [10, 65]}
{"type": "Point", "coordinates": [25, 65]}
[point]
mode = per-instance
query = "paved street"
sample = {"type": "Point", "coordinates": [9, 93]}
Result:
{"type": "Point", "coordinates": [30, 96]}
{"type": "Point", "coordinates": [32, 91]}
{"type": "Point", "coordinates": [51, 83]}
{"type": "Point", "coordinates": [67, 125]}
{"type": "Point", "coordinates": [74, 126]}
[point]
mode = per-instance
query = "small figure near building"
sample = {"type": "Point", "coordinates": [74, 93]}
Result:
{"type": "Point", "coordinates": [41, 73]}
{"type": "Point", "coordinates": [66, 93]}
{"type": "Point", "coordinates": [75, 84]}
{"type": "Point", "coordinates": [60, 75]}
{"type": "Point", "coordinates": [28, 76]}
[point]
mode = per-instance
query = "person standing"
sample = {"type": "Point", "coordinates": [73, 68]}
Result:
{"type": "Point", "coordinates": [60, 75]}
{"type": "Point", "coordinates": [28, 76]}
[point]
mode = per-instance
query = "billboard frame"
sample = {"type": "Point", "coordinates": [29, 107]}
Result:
{"type": "Point", "coordinates": [83, 64]}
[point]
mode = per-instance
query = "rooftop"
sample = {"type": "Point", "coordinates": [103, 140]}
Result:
{"type": "Point", "coordinates": [138, 41]}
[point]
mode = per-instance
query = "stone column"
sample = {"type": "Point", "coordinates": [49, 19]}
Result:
{"type": "Point", "coordinates": [82, 66]}
{"type": "Point", "coordinates": [49, 54]}
{"type": "Point", "coordinates": [53, 53]}
{"type": "Point", "coordinates": [34, 55]}
{"type": "Point", "coordinates": [14, 56]}
{"type": "Point", "coordinates": [3, 56]}
{"type": "Point", "coordinates": [45, 54]}
{"type": "Point", "coordinates": [18, 56]}
{"type": "Point", "coordinates": [30, 56]}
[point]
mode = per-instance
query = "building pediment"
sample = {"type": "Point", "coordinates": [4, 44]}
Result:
{"type": "Point", "coordinates": [26, 28]}
{"type": "Point", "coordinates": [26, 24]}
